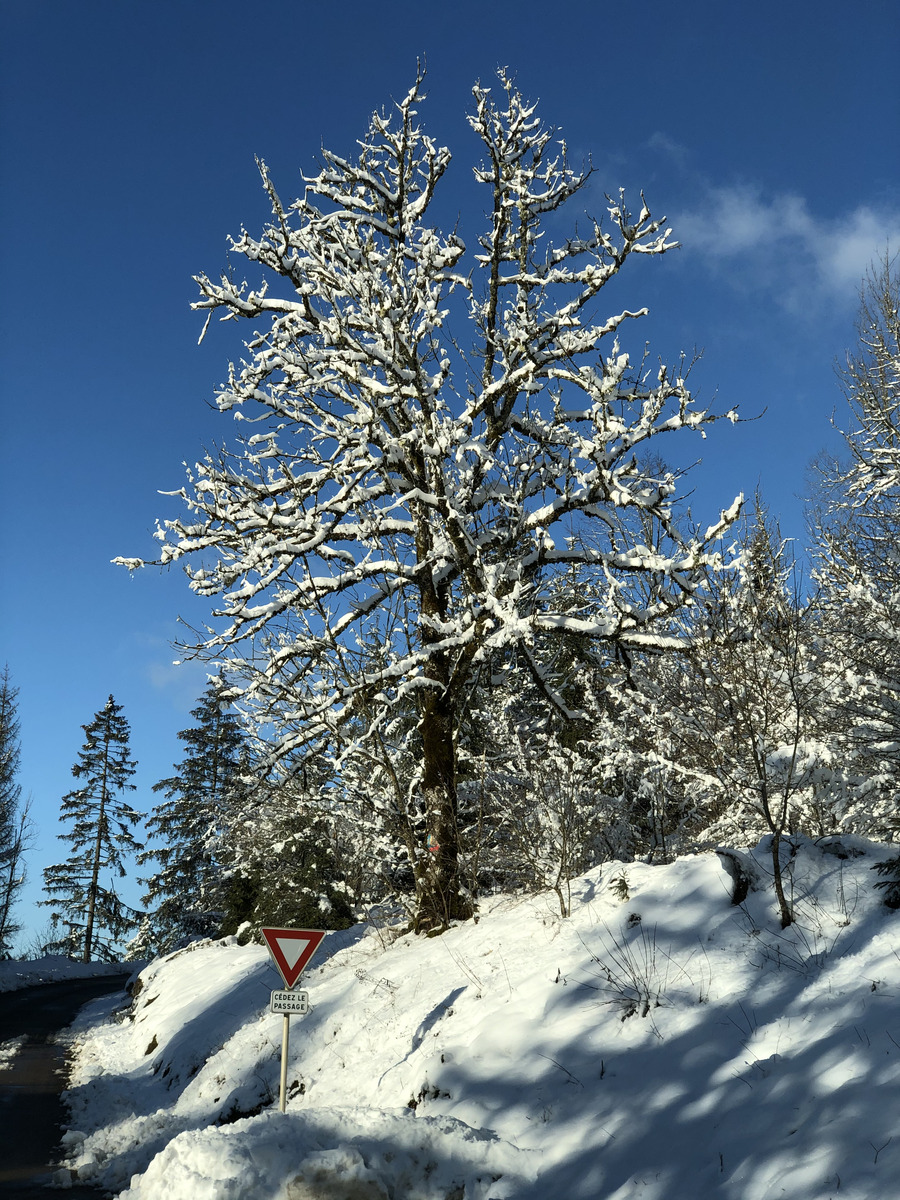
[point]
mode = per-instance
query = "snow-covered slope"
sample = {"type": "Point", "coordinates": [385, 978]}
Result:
{"type": "Point", "coordinates": [52, 968]}
{"type": "Point", "coordinates": [666, 1046]}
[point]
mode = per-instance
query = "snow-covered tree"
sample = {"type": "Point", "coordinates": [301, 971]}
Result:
{"type": "Point", "coordinates": [858, 528]}
{"type": "Point", "coordinates": [544, 797]}
{"type": "Point", "coordinates": [94, 916]}
{"type": "Point", "coordinates": [14, 821]}
{"type": "Point", "coordinates": [186, 896]}
{"type": "Point", "coordinates": [284, 868]}
{"type": "Point", "coordinates": [751, 743]}
{"type": "Point", "coordinates": [552, 818]}
{"type": "Point", "coordinates": [428, 435]}
{"type": "Point", "coordinates": [871, 383]}
{"type": "Point", "coordinates": [858, 566]}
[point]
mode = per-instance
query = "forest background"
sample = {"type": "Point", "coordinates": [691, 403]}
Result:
{"type": "Point", "coordinates": [134, 152]}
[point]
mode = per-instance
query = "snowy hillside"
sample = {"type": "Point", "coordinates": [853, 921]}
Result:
{"type": "Point", "coordinates": [664, 1045]}
{"type": "Point", "coordinates": [52, 968]}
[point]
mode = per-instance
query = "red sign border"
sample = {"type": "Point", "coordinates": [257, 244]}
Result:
{"type": "Point", "coordinates": [313, 939]}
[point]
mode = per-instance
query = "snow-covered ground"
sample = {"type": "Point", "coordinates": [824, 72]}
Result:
{"type": "Point", "coordinates": [9, 1050]}
{"type": "Point", "coordinates": [52, 968]}
{"type": "Point", "coordinates": [665, 1046]}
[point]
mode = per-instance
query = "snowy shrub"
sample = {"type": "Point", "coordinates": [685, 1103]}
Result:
{"type": "Point", "coordinates": [638, 973]}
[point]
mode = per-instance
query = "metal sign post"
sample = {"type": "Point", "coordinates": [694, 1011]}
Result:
{"type": "Point", "coordinates": [285, 1042]}
{"type": "Point", "coordinates": [287, 1002]}
{"type": "Point", "coordinates": [291, 950]}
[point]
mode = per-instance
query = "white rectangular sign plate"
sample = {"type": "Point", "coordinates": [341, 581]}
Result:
{"type": "Point", "coordinates": [289, 1002]}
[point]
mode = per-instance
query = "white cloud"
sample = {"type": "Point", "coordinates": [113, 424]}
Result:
{"type": "Point", "coordinates": [662, 143]}
{"type": "Point", "coordinates": [182, 683]}
{"type": "Point", "coordinates": [858, 241]}
{"type": "Point", "coordinates": [777, 244]}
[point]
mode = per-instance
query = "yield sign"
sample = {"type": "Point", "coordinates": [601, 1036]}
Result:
{"type": "Point", "coordinates": [291, 950]}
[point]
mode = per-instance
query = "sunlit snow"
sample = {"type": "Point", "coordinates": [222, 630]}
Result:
{"type": "Point", "coordinates": [665, 1046]}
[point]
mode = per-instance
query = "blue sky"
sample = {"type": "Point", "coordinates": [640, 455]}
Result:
{"type": "Point", "coordinates": [766, 132]}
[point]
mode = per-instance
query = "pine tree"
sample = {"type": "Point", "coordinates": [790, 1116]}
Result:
{"type": "Point", "coordinates": [858, 567]}
{"type": "Point", "coordinates": [858, 529]}
{"type": "Point", "coordinates": [284, 867]}
{"type": "Point", "coordinates": [100, 836]}
{"type": "Point", "coordinates": [14, 821]}
{"type": "Point", "coordinates": [186, 896]}
{"type": "Point", "coordinates": [410, 489]}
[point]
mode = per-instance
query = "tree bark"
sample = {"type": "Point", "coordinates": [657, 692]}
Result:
{"type": "Point", "coordinates": [98, 850]}
{"type": "Point", "coordinates": [787, 917]}
{"type": "Point", "coordinates": [439, 899]}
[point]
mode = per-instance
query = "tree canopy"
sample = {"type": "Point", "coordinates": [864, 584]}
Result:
{"type": "Point", "coordinates": [434, 439]}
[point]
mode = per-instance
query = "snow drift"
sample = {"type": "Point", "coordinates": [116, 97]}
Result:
{"type": "Point", "coordinates": [662, 1043]}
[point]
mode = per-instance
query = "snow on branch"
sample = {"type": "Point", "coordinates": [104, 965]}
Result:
{"type": "Point", "coordinates": [401, 509]}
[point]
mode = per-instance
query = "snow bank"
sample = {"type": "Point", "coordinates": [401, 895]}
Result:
{"type": "Point", "coordinates": [355, 1153]}
{"type": "Point", "coordinates": [9, 1049]}
{"type": "Point", "coordinates": [662, 1047]}
{"type": "Point", "coordinates": [53, 968]}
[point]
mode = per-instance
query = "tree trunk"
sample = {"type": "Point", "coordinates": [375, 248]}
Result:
{"type": "Point", "coordinates": [438, 896]}
{"type": "Point", "coordinates": [436, 864]}
{"type": "Point", "coordinates": [787, 917]}
{"type": "Point", "coordinates": [98, 850]}
{"type": "Point", "coordinates": [92, 893]}
{"type": "Point", "coordinates": [777, 827]}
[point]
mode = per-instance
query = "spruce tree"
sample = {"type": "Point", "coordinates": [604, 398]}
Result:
{"type": "Point", "coordinates": [14, 823]}
{"type": "Point", "coordinates": [100, 835]}
{"type": "Point", "coordinates": [286, 865]}
{"type": "Point", "coordinates": [186, 894]}
{"type": "Point", "coordinates": [859, 568]}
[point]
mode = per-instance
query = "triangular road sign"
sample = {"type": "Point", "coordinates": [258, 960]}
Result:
{"type": "Point", "coordinates": [291, 950]}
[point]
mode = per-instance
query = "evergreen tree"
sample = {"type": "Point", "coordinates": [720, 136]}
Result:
{"type": "Point", "coordinates": [14, 823]}
{"type": "Point", "coordinates": [284, 863]}
{"type": "Point", "coordinates": [186, 895]}
{"type": "Point", "coordinates": [100, 835]}
{"type": "Point", "coordinates": [858, 528]}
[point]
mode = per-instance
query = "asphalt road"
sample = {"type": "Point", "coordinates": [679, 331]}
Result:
{"type": "Point", "coordinates": [31, 1113]}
